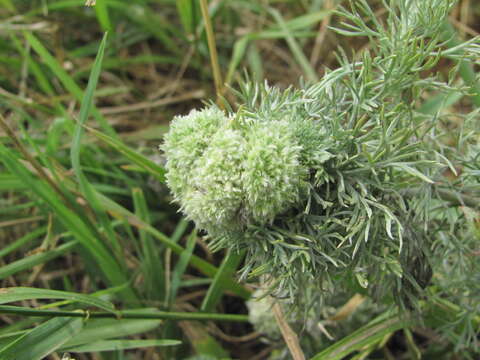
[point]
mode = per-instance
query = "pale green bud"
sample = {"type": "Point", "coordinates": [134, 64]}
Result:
{"type": "Point", "coordinates": [186, 141]}
{"type": "Point", "coordinates": [226, 178]}
{"type": "Point", "coordinates": [272, 175]}
{"type": "Point", "coordinates": [215, 192]}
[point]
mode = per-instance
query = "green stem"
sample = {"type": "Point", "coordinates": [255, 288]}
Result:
{"type": "Point", "coordinates": [217, 75]}
{"type": "Point", "coordinates": [17, 310]}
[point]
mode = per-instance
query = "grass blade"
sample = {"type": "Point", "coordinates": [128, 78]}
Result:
{"type": "Point", "coordinates": [70, 85]}
{"type": "Point", "coordinates": [411, 170]}
{"type": "Point", "coordinates": [239, 49]}
{"type": "Point", "coordinates": [104, 329]}
{"type": "Point", "coordinates": [22, 241]}
{"type": "Point", "coordinates": [112, 345]}
{"type": "Point", "coordinates": [101, 9]}
{"type": "Point", "coordinates": [187, 10]}
{"type": "Point", "coordinates": [145, 163]}
{"type": "Point", "coordinates": [220, 281]}
{"type": "Point", "coordinates": [152, 266]}
{"type": "Point", "coordinates": [204, 344]}
{"type": "Point", "coordinates": [85, 186]}
{"type": "Point", "coordinates": [297, 52]}
{"type": "Point", "coordinates": [365, 336]}
{"type": "Point", "coordinates": [13, 294]}
{"type": "Point", "coordinates": [42, 340]}
{"type": "Point", "coordinates": [180, 267]}
{"type": "Point", "coordinates": [29, 262]}
{"type": "Point", "coordinates": [87, 102]}
{"type": "Point", "coordinates": [128, 314]}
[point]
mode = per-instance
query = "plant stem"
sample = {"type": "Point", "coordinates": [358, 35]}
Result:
{"type": "Point", "coordinates": [291, 339]}
{"type": "Point", "coordinates": [217, 76]}
{"type": "Point", "coordinates": [128, 314]}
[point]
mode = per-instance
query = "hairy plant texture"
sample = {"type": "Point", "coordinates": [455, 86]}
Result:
{"type": "Point", "coordinates": [246, 174]}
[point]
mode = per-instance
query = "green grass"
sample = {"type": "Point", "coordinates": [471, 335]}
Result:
{"type": "Point", "coordinates": [77, 155]}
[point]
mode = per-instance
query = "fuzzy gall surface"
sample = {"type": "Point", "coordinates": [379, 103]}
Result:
{"type": "Point", "coordinates": [227, 176]}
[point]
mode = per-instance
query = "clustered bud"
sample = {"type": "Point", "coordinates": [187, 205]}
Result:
{"type": "Point", "coordinates": [230, 172]}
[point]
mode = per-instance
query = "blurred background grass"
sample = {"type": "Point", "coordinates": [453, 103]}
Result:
{"type": "Point", "coordinates": [110, 225]}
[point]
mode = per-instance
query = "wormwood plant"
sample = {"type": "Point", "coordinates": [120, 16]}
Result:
{"type": "Point", "coordinates": [341, 185]}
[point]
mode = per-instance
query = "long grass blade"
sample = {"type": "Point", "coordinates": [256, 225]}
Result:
{"type": "Point", "coordinates": [42, 340]}
{"type": "Point", "coordinates": [101, 9]}
{"type": "Point", "coordinates": [143, 162]}
{"type": "Point", "coordinates": [127, 314]}
{"type": "Point", "coordinates": [151, 263]}
{"type": "Point", "coordinates": [29, 262]}
{"type": "Point", "coordinates": [112, 345]}
{"type": "Point", "coordinates": [67, 81]}
{"type": "Point", "coordinates": [220, 282]}
{"type": "Point", "coordinates": [297, 52]}
{"type": "Point", "coordinates": [85, 186]}
{"type": "Point", "coordinates": [181, 267]}
{"type": "Point", "coordinates": [365, 336]}
{"type": "Point", "coordinates": [104, 329]}
{"type": "Point", "coordinates": [12, 294]}
{"type": "Point", "coordinates": [23, 240]}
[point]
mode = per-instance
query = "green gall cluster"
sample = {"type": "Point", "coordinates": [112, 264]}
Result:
{"type": "Point", "coordinates": [231, 172]}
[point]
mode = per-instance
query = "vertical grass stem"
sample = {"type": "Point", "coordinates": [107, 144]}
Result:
{"type": "Point", "coordinates": [217, 75]}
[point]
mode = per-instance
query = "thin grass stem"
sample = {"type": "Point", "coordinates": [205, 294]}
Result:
{"type": "Point", "coordinates": [217, 75]}
{"type": "Point", "coordinates": [130, 314]}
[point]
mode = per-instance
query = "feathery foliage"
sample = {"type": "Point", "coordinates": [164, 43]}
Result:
{"type": "Point", "coordinates": [338, 183]}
